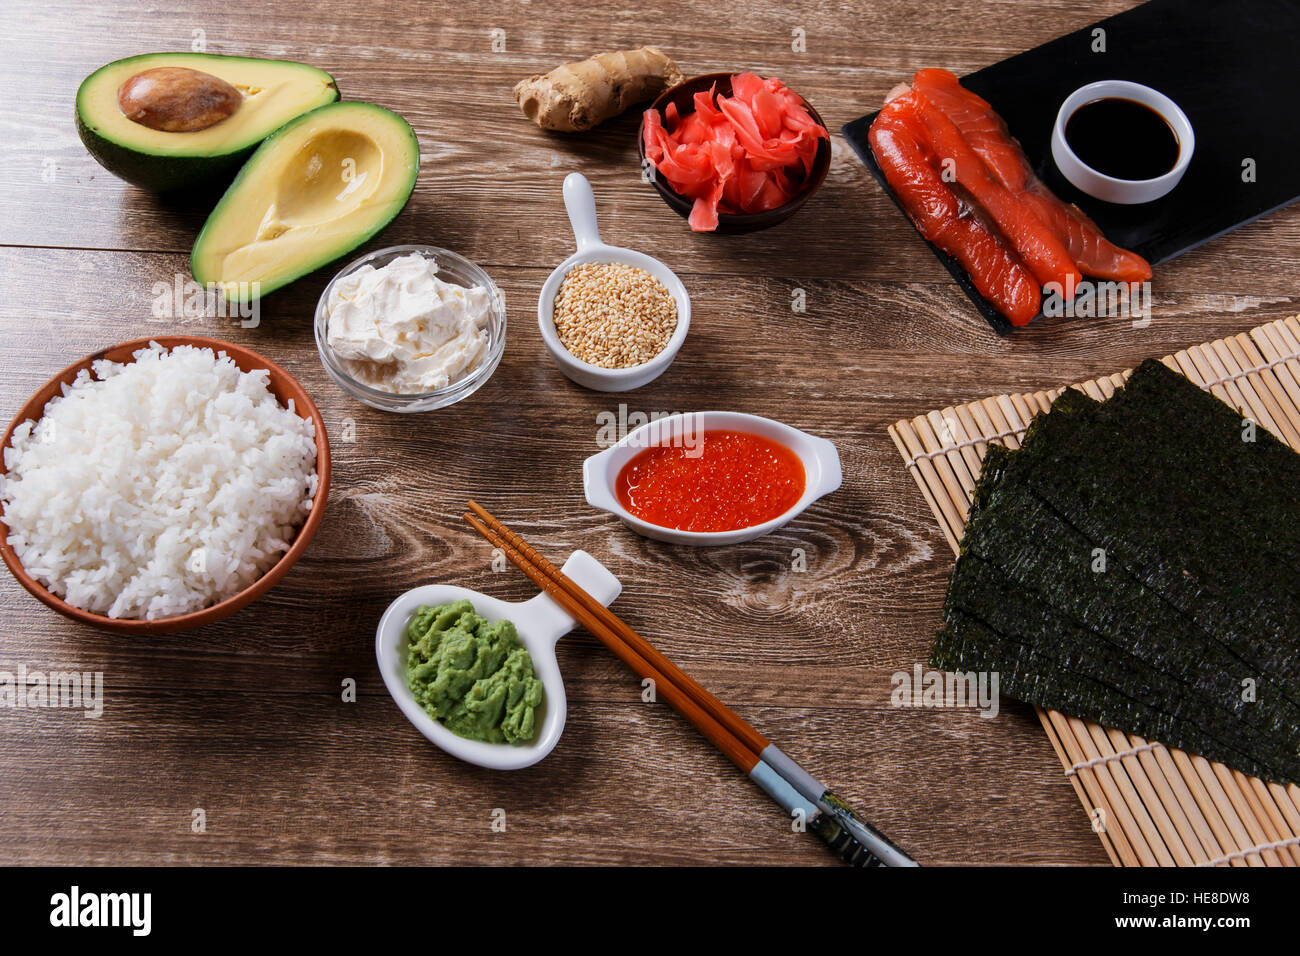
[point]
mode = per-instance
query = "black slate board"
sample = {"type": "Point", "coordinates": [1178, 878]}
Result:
{"type": "Point", "coordinates": [1234, 68]}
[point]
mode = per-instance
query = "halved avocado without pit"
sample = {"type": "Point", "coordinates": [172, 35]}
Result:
{"type": "Point", "coordinates": [232, 104]}
{"type": "Point", "coordinates": [316, 189]}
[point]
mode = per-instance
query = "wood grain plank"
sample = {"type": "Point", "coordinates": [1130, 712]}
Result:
{"type": "Point", "coordinates": [630, 783]}
{"type": "Point", "coordinates": [244, 718]}
{"type": "Point", "coordinates": [812, 653]}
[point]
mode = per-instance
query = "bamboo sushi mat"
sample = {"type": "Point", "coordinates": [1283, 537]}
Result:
{"type": "Point", "coordinates": [1151, 805]}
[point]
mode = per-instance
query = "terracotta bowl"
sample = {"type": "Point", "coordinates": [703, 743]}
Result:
{"type": "Point", "coordinates": [282, 385]}
{"type": "Point", "coordinates": [683, 94]}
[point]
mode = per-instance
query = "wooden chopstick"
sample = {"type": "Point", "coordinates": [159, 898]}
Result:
{"type": "Point", "coordinates": [789, 785]}
{"type": "Point", "coordinates": [719, 711]}
{"type": "Point", "coordinates": [736, 750]}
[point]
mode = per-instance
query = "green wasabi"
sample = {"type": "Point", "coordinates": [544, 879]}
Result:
{"type": "Point", "coordinates": [471, 674]}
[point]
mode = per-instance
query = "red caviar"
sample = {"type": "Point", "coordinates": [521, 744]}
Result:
{"type": "Point", "coordinates": [722, 481]}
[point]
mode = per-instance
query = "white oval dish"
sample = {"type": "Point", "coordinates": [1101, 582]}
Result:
{"type": "Point", "coordinates": [821, 462]}
{"type": "Point", "coordinates": [1125, 192]}
{"type": "Point", "coordinates": [581, 205]}
{"type": "Point", "coordinates": [540, 623]}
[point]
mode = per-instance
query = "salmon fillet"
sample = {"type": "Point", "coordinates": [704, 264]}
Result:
{"type": "Point", "coordinates": [899, 142]}
{"type": "Point", "coordinates": [1038, 246]}
{"type": "Point", "coordinates": [988, 136]}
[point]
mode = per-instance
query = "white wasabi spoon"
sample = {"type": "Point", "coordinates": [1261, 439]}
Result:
{"type": "Point", "coordinates": [540, 623]}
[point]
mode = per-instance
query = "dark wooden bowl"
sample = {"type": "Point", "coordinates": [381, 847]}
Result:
{"type": "Point", "coordinates": [683, 94]}
{"type": "Point", "coordinates": [282, 385]}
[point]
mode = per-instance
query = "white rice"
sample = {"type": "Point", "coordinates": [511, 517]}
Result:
{"type": "Point", "coordinates": [158, 487]}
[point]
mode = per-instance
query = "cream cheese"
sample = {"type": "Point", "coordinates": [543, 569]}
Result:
{"type": "Point", "coordinates": [401, 329]}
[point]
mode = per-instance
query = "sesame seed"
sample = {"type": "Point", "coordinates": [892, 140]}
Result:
{"type": "Point", "coordinates": [612, 315]}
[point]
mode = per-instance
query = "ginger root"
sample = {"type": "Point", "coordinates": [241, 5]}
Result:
{"type": "Point", "coordinates": [577, 96]}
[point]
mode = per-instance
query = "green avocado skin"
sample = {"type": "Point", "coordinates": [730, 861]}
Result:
{"type": "Point", "coordinates": [472, 675]}
{"type": "Point", "coordinates": [159, 174]}
{"type": "Point", "coordinates": [155, 173]}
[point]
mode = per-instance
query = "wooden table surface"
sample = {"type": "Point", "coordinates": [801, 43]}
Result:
{"type": "Point", "coordinates": [246, 719]}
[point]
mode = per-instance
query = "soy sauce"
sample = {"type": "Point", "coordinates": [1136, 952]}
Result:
{"type": "Point", "coordinates": [1122, 138]}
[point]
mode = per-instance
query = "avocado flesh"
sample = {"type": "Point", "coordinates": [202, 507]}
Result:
{"type": "Point", "coordinates": [315, 190]}
{"type": "Point", "coordinates": [274, 92]}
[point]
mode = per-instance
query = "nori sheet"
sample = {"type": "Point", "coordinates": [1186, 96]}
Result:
{"type": "Point", "coordinates": [1160, 478]}
{"type": "Point", "coordinates": [1032, 545]}
{"type": "Point", "coordinates": [1188, 718]}
{"type": "Point", "coordinates": [1032, 672]}
{"type": "Point", "coordinates": [1159, 642]}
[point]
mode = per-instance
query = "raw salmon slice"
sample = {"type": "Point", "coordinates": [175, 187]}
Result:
{"type": "Point", "coordinates": [1038, 246]}
{"type": "Point", "coordinates": [988, 136]}
{"type": "Point", "coordinates": [897, 139]}
{"type": "Point", "coordinates": [1094, 254]}
{"type": "Point", "coordinates": [979, 123]}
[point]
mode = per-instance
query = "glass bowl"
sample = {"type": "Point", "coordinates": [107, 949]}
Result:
{"type": "Point", "coordinates": [451, 268]}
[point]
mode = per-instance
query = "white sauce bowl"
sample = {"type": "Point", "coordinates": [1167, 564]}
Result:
{"type": "Point", "coordinates": [1126, 192]}
{"type": "Point", "coordinates": [821, 464]}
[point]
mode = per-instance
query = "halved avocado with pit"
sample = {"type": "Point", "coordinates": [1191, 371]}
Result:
{"type": "Point", "coordinates": [271, 92]}
{"type": "Point", "coordinates": [316, 189]}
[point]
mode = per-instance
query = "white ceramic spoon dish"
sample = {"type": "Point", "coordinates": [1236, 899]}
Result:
{"type": "Point", "coordinates": [581, 206]}
{"type": "Point", "coordinates": [821, 465]}
{"type": "Point", "coordinates": [540, 623]}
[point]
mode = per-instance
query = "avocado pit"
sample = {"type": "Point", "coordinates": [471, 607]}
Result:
{"type": "Point", "coordinates": [175, 99]}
